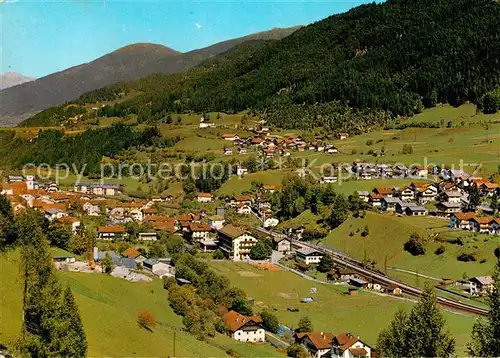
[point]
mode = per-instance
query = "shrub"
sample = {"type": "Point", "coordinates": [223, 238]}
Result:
{"type": "Point", "coordinates": [467, 257]}
{"type": "Point", "coordinates": [369, 142]}
{"type": "Point", "coordinates": [270, 322]}
{"type": "Point", "coordinates": [415, 245]}
{"type": "Point", "coordinates": [146, 319]}
{"type": "Point", "coordinates": [218, 255]}
{"type": "Point", "coordinates": [407, 149]}
{"type": "Point", "coordinates": [168, 282]}
{"type": "Point", "coordinates": [440, 250]}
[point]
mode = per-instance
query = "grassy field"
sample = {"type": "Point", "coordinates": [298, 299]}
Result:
{"type": "Point", "coordinates": [237, 185]}
{"type": "Point", "coordinates": [109, 308]}
{"type": "Point", "coordinates": [387, 234]}
{"type": "Point", "coordinates": [332, 311]}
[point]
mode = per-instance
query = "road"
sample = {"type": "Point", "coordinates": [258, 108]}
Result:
{"type": "Point", "coordinates": [342, 259]}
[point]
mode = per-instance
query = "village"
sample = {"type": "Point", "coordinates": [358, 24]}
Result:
{"type": "Point", "coordinates": [141, 222]}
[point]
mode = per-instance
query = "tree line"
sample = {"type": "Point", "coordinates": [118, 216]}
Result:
{"type": "Point", "coordinates": [52, 325]}
{"type": "Point", "coordinates": [53, 147]}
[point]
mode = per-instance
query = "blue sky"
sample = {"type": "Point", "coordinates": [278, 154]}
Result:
{"type": "Point", "coordinates": [41, 37]}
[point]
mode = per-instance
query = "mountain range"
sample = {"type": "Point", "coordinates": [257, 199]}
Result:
{"type": "Point", "coordinates": [125, 64]}
{"type": "Point", "coordinates": [11, 79]}
{"type": "Point", "coordinates": [349, 72]}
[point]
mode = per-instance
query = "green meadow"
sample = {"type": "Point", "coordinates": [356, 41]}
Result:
{"type": "Point", "coordinates": [332, 310]}
{"type": "Point", "coordinates": [109, 307]}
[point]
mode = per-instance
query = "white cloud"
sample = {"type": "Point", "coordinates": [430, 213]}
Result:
{"type": "Point", "coordinates": [198, 26]}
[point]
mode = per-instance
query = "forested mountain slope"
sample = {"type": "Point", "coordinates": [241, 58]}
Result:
{"type": "Point", "coordinates": [392, 58]}
{"type": "Point", "coordinates": [125, 64]}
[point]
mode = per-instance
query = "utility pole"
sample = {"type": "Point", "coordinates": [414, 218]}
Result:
{"type": "Point", "coordinates": [385, 264]}
{"type": "Point", "coordinates": [174, 343]}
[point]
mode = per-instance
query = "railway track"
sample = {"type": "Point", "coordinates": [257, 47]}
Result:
{"type": "Point", "coordinates": [377, 277]}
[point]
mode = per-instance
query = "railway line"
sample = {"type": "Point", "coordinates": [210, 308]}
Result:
{"type": "Point", "coordinates": [343, 259]}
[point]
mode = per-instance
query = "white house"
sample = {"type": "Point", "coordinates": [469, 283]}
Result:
{"type": "Point", "coordinates": [318, 344]}
{"type": "Point", "coordinates": [54, 214]}
{"type": "Point", "coordinates": [230, 137]}
{"type": "Point", "coordinates": [345, 345]}
{"type": "Point", "coordinates": [308, 256]}
{"type": "Point", "coordinates": [205, 197]}
{"type": "Point", "coordinates": [91, 209]}
{"type": "Point", "coordinates": [216, 222]}
{"type": "Point", "coordinates": [270, 222]}
{"type": "Point", "coordinates": [243, 328]}
{"type": "Point", "coordinates": [244, 209]}
{"type": "Point", "coordinates": [481, 285]}
{"type": "Point", "coordinates": [199, 231]}
{"type": "Point", "coordinates": [235, 243]}
{"type": "Point", "coordinates": [241, 171]}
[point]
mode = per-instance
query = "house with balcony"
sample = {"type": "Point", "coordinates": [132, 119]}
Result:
{"type": "Point", "coordinates": [244, 328]}
{"type": "Point", "coordinates": [111, 233]}
{"type": "Point", "coordinates": [481, 285]}
{"type": "Point", "coordinates": [447, 208]}
{"type": "Point", "coordinates": [308, 256]}
{"type": "Point", "coordinates": [235, 243]}
{"type": "Point", "coordinates": [460, 221]}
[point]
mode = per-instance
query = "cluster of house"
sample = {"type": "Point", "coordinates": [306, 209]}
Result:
{"type": "Point", "coordinates": [450, 196]}
{"type": "Point", "coordinates": [271, 146]}
{"type": "Point", "coordinates": [318, 344]}
{"type": "Point", "coordinates": [257, 205]}
{"type": "Point", "coordinates": [471, 222]}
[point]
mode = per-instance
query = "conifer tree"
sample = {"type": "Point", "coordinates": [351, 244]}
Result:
{"type": "Point", "coordinates": [75, 343]}
{"type": "Point", "coordinates": [50, 319]}
{"type": "Point", "coordinates": [418, 334]}
{"type": "Point", "coordinates": [485, 338]}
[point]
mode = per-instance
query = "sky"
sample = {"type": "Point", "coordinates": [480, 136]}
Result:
{"type": "Point", "coordinates": [40, 37]}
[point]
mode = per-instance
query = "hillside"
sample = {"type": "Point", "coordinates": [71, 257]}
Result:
{"type": "Point", "coordinates": [109, 307]}
{"type": "Point", "coordinates": [11, 79]}
{"type": "Point", "coordinates": [382, 60]}
{"type": "Point", "coordinates": [125, 64]}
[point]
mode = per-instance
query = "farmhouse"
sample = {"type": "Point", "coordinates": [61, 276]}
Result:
{"type": "Point", "coordinates": [481, 285]}
{"type": "Point", "coordinates": [408, 194]}
{"type": "Point", "coordinates": [415, 210]}
{"type": "Point", "coordinates": [243, 328]}
{"type": "Point", "coordinates": [230, 137]}
{"type": "Point", "coordinates": [426, 193]}
{"type": "Point", "coordinates": [461, 220]}
{"type": "Point", "coordinates": [448, 208]}
{"type": "Point", "coordinates": [345, 345]}
{"type": "Point", "coordinates": [205, 197]}
{"type": "Point", "coordinates": [386, 192]}
{"type": "Point", "coordinates": [317, 343]}
{"type": "Point", "coordinates": [235, 243]}
{"type": "Point", "coordinates": [389, 204]}
{"type": "Point", "coordinates": [199, 231]}
{"type": "Point", "coordinates": [282, 244]}
{"type": "Point", "coordinates": [308, 256]}
{"type": "Point", "coordinates": [241, 200]}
